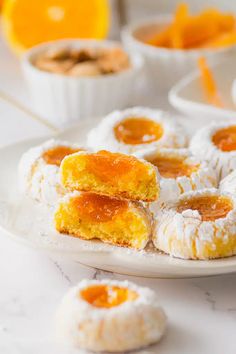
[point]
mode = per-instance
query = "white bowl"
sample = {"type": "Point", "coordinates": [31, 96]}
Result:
{"type": "Point", "coordinates": [165, 66]}
{"type": "Point", "coordinates": [188, 97]}
{"type": "Point", "coordinates": [233, 91]}
{"type": "Point", "coordinates": [64, 100]}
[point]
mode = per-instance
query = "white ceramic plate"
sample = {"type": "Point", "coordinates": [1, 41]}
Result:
{"type": "Point", "coordinates": [187, 95]}
{"type": "Point", "coordinates": [31, 224]}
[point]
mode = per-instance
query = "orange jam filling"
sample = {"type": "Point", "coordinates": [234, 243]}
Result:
{"type": "Point", "coordinates": [209, 207]}
{"type": "Point", "coordinates": [99, 208]}
{"type": "Point", "coordinates": [171, 167]}
{"type": "Point", "coordinates": [135, 131]}
{"type": "Point", "coordinates": [225, 139]}
{"type": "Point", "coordinates": [55, 155]}
{"type": "Point", "coordinates": [109, 166]}
{"type": "Point", "coordinates": [107, 296]}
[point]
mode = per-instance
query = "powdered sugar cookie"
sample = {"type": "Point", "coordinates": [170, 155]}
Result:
{"type": "Point", "coordinates": [39, 170]}
{"type": "Point", "coordinates": [110, 315]}
{"type": "Point", "coordinates": [200, 225]}
{"type": "Point", "coordinates": [116, 221]}
{"type": "Point", "coordinates": [180, 172]}
{"type": "Point", "coordinates": [216, 143]}
{"type": "Point", "coordinates": [112, 174]}
{"type": "Point", "coordinates": [136, 129]}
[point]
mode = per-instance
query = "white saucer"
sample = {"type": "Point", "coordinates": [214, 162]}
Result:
{"type": "Point", "coordinates": [31, 224]}
{"type": "Point", "coordinates": [187, 95]}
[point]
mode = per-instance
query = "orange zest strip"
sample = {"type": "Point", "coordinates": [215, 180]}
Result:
{"type": "Point", "coordinates": [209, 83]}
{"type": "Point", "coordinates": [181, 16]}
{"type": "Point", "coordinates": [161, 39]}
{"type": "Point", "coordinates": [224, 40]}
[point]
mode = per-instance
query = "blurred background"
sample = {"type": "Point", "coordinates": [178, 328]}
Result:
{"type": "Point", "coordinates": [23, 24]}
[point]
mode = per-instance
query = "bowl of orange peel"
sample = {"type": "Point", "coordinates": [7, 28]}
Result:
{"type": "Point", "coordinates": [172, 44]}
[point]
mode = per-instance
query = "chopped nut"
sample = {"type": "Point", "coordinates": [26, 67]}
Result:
{"type": "Point", "coordinates": [84, 69]}
{"type": "Point", "coordinates": [113, 61]}
{"type": "Point", "coordinates": [83, 62]}
{"type": "Point", "coordinates": [57, 53]}
{"type": "Point", "coordinates": [57, 67]}
{"type": "Point", "coordinates": [83, 54]}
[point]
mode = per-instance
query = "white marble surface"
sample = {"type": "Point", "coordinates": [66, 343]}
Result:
{"type": "Point", "coordinates": [202, 312]}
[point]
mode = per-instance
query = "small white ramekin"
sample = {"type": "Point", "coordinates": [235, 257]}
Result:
{"type": "Point", "coordinates": [64, 100]}
{"type": "Point", "coordinates": [165, 67]}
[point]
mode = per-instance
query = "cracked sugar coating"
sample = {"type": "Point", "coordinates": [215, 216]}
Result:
{"type": "Point", "coordinates": [39, 170]}
{"type": "Point", "coordinates": [201, 225]}
{"type": "Point", "coordinates": [216, 143]}
{"type": "Point", "coordinates": [136, 129]}
{"type": "Point", "coordinates": [111, 174]}
{"type": "Point", "coordinates": [179, 171]}
{"type": "Point", "coordinates": [228, 184]}
{"type": "Point", "coordinates": [109, 315]}
{"type": "Point", "coordinates": [116, 221]}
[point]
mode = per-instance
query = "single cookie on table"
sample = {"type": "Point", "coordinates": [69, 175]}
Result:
{"type": "Point", "coordinates": [116, 221]}
{"type": "Point", "coordinates": [112, 174]}
{"type": "Point", "coordinates": [200, 225]}
{"type": "Point", "coordinates": [216, 143]}
{"type": "Point", "coordinates": [109, 315]}
{"type": "Point", "coordinates": [136, 129]}
{"type": "Point", "coordinates": [39, 170]}
{"type": "Point", "coordinates": [179, 171]}
{"type": "Point", "coordinates": [228, 184]}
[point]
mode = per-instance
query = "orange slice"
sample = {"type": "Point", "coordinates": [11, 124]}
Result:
{"type": "Point", "coordinates": [27, 23]}
{"type": "Point", "coordinates": [1, 3]}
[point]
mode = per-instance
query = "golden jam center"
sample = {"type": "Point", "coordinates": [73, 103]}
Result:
{"type": "Point", "coordinates": [171, 167]}
{"type": "Point", "coordinates": [108, 166]}
{"type": "Point", "coordinates": [107, 296]}
{"type": "Point", "coordinates": [135, 131]}
{"type": "Point", "coordinates": [225, 139]}
{"type": "Point", "coordinates": [55, 155]}
{"type": "Point", "coordinates": [99, 208]}
{"type": "Point", "coordinates": [209, 207]}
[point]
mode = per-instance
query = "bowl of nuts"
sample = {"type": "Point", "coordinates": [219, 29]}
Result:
{"type": "Point", "coordinates": [70, 80]}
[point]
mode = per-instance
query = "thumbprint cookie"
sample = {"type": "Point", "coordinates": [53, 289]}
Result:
{"type": "Point", "coordinates": [39, 170]}
{"type": "Point", "coordinates": [179, 171]}
{"type": "Point", "coordinates": [109, 315]}
{"type": "Point", "coordinates": [116, 221]}
{"type": "Point", "coordinates": [216, 143]}
{"type": "Point", "coordinates": [200, 225]}
{"type": "Point", "coordinates": [136, 129]}
{"type": "Point", "coordinates": [112, 174]}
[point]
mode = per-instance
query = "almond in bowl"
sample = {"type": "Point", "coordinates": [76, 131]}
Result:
{"type": "Point", "coordinates": [171, 45]}
{"type": "Point", "coordinates": [73, 79]}
{"type": "Point", "coordinates": [83, 61]}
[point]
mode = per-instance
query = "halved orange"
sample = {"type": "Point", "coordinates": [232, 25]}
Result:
{"type": "Point", "coordinates": [1, 3]}
{"type": "Point", "coordinates": [29, 22]}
